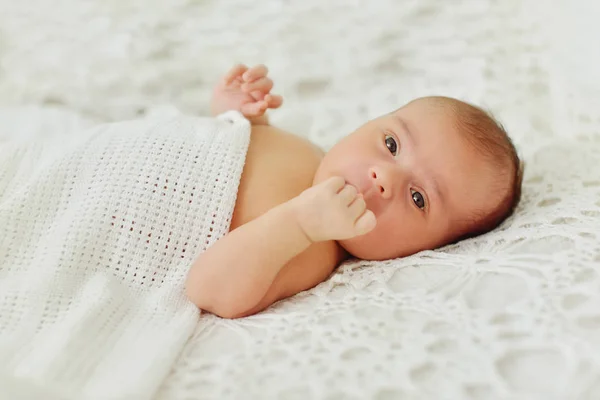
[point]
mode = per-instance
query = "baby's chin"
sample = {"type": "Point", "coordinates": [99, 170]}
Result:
{"type": "Point", "coordinates": [364, 249]}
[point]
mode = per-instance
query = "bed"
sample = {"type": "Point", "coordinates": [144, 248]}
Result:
{"type": "Point", "coordinates": [513, 314]}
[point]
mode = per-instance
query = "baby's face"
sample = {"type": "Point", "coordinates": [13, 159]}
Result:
{"type": "Point", "coordinates": [422, 180]}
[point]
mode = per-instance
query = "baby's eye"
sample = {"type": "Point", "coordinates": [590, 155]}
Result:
{"type": "Point", "coordinates": [391, 144]}
{"type": "Point", "coordinates": [418, 199]}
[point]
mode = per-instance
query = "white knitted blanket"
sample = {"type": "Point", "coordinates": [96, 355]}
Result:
{"type": "Point", "coordinates": [98, 234]}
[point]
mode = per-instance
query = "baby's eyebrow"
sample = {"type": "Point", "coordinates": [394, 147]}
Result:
{"type": "Point", "coordinates": [435, 184]}
{"type": "Point", "coordinates": [406, 128]}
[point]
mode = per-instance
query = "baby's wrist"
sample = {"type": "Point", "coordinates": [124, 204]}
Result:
{"type": "Point", "coordinates": [260, 120]}
{"type": "Point", "coordinates": [297, 215]}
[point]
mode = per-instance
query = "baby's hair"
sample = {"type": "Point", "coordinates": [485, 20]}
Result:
{"type": "Point", "coordinates": [491, 140]}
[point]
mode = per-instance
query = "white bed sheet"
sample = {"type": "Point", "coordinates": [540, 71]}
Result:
{"type": "Point", "coordinates": [514, 314]}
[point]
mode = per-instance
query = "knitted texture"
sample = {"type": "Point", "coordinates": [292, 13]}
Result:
{"type": "Point", "coordinates": [97, 238]}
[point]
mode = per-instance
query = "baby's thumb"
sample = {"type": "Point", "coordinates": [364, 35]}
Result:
{"type": "Point", "coordinates": [366, 223]}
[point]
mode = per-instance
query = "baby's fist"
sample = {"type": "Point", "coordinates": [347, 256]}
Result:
{"type": "Point", "coordinates": [333, 210]}
{"type": "Point", "coordinates": [247, 90]}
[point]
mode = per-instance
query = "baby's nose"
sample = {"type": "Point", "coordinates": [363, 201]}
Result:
{"type": "Point", "coordinates": [382, 181]}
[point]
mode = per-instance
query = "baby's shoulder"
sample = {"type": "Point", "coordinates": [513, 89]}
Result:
{"type": "Point", "coordinates": [269, 138]}
{"type": "Point", "coordinates": [285, 156]}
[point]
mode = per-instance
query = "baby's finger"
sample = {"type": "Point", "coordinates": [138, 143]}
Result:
{"type": "Point", "coordinates": [335, 183]}
{"type": "Point", "coordinates": [234, 72]}
{"type": "Point", "coordinates": [274, 100]}
{"type": "Point", "coordinates": [366, 223]}
{"type": "Point", "coordinates": [348, 194]}
{"type": "Point", "coordinates": [358, 206]}
{"type": "Point", "coordinates": [258, 95]}
{"type": "Point", "coordinates": [263, 84]}
{"type": "Point", "coordinates": [255, 73]}
{"type": "Point", "coordinates": [254, 109]}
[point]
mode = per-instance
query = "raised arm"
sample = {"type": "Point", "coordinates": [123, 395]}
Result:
{"type": "Point", "coordinates": [247, 90]}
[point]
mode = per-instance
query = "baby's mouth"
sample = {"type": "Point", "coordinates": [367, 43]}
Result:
{"type": "Point", "coordinates": [367, 189]}
{"type": "Point", "coordinates": [370, 195]}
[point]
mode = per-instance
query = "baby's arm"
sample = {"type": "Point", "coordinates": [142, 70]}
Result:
{"type": "Point", "coordinates": [247, 90]}
{"type": "Point", "coordinates": [279, 253]}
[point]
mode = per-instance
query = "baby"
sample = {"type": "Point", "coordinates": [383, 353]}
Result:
{"type": "Point", "coordinates": [430, 173]}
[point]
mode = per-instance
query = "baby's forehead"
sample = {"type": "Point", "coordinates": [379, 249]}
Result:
{"type": "Point", "coordinates": [430, 128]}
{"type": "Point", "coordinates": [456, 121]}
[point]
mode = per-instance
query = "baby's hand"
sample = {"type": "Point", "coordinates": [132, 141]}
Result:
{"type": "Point", "coordinates": [333, 210]}
{"type": "Point", "coordinates": [245, 90]}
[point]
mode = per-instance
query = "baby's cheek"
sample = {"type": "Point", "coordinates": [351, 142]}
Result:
{"type": "Point", "coordinates": [388, 238]}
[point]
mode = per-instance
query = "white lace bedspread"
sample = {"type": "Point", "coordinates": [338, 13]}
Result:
{"type": "Point", "coordinates": [514, 314]}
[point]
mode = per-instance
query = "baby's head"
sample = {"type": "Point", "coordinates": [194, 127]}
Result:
{"type": "Point", "coordinates": [435, 171]}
